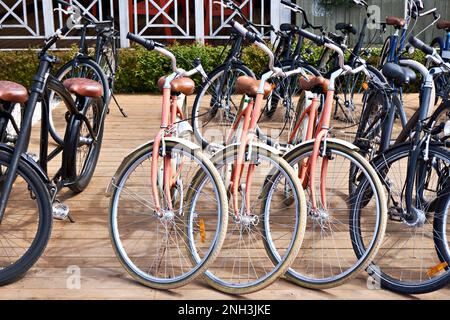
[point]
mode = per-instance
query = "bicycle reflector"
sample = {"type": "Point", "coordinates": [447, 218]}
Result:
{"type": "Point", "coordinates": [202, 230]}
{"type": "Point", "coordinates": [436, 269]}
{"type": "Point", "coordinates": [365, 86]}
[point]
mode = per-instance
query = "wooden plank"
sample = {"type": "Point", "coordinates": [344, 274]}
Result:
{"type": "Point", "coordinates": [86, 243]}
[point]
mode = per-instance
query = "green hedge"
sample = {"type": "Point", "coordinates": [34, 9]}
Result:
{"type": "Point", "coordinates": [139, 69]}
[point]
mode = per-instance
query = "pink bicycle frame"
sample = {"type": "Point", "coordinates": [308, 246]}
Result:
{"type": "Point", "coordinates": [251, 115]}
{"type": "Point", "coordinates": [170, 110]}
{"type": "Point", "coordinates": [321, 132]}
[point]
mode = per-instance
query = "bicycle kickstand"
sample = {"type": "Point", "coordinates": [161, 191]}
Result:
{"type": "Point", "coordinates": [119, 107]}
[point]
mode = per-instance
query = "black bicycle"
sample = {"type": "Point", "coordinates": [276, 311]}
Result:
{"type": "Point", "coordinates": [27, 193]}
{"type": "Point", "coordinates": [415, 255]}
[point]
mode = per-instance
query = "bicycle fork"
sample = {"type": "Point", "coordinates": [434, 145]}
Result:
{"type": "Point", "coordinates": [310, 167]}
{"type": "Point", "coordinates": [25, 130]}
{"type": "Point", "coordinates": [251, 117]}
{"type": "Point", "coordinates": [170, 109]}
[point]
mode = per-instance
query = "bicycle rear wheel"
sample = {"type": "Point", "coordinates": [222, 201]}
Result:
{"type": "Point", "coordinates": [168, 251]}
{"type": "Point", "coordinates": [215, 109]}
{"type": "Point", "coordinates": [77, 68]}
{"type": "Point", "coordinates": [27, 222]}
{"type": "Point", "coordinates": [81, 148]}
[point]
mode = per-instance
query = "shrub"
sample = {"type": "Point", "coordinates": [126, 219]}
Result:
{"type": "Point", "coordinates": [140, 69]}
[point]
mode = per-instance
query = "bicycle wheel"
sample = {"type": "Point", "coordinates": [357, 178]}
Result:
{"type": "Point", "coordinates": [385, 52]}
{"type": "Point", "coordinates": [214, 111]}
{"type": "Point", "coordinates": [81, 148]}
{"type": "Point", "coordinates": [286, 88]}
{"type": "Point", "coordinates": [441, 81]}
{"type": "Point", "coordinates": [108, 60]}
{"type": "Point", "coordinates": [27, 222]}
{"type": "Point", "coordinates": [169, 251]}
{"type": "Point", "coordinates": [77, 68]}
{"type": "Point", "coordinates": [327, 258]}
{"type": "Point", "coordinates": [368, 134]}
{"type": "Point", "coordinates": [409, 256]}
{"type": "Point", "coordinates": [245, 264]}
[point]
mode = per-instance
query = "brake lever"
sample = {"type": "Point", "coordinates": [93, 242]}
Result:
{"type": "Point", "coordinates": [68, 12]}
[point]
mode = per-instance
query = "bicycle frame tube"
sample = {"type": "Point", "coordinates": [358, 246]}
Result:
{"type": "Point", "coordinates": [324, 124]}
{"type": "Point", "coordinates": [447, 41]}
{"type": "Point", "coordinates": [21, 146]}
{"type": "Point", "coordinates": [392, 57]}
{"type": "Point", "coordinates": [427, 97]}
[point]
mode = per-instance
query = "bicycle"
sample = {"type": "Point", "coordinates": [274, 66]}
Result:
{"type": "Point", "coordinates": [28, 195]}
{"type": "Point", "coordinates": [415, 176]}
{"type": "Point", "coordinates": [264, 233]}
{"type": "Point", "coordinates": [327, 258]}
{"type": "Point", "coordinates": [383, 102]}
{"type": "Point", "coordinates": [166, 226]}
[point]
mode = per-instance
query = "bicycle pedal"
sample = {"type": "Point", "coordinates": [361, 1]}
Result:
{"type": "Point", "coordinates": [60, 211]}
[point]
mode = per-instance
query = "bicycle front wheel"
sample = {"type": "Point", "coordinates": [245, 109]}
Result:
{"type": "Point", "coordinates": [27, 221]}
{"type": "Point", "coordinates": [410, 259]}
{"type": "Point", "coordinates": [327, 257]}
{"type": "Point", "coordinates": [169, 250]}
{"type": "Point", "coordinates": [259, 246]}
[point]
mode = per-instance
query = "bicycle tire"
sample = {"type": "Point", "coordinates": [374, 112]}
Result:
{"type": "Point", "coordinates": [232, 285]}
{"type": "Point", "coordinates": [80, 171]}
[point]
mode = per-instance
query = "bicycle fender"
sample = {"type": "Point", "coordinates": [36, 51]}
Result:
{"type": "Point", "coordinates": [235, 146]}
{"type": "Point", "coordinates": [307, 143]}
{"type": "Point", "coordinates": [142, 148]}
{"type": "Point", "coordinates": [29, 161]}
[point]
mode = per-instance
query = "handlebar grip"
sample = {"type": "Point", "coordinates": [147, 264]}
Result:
{"type": "Point", "coordinates": [148, 44]}
{"type": "Point", "coordinates": [65, 30]}
{"type": "Point", "coordinates": [286, 3]}
{"type": "Point", "coordinates": [238, 27]}
{"type": "Point", "coordinates": [416, 43]}
{"type": "Point", "coordinates": [319, 40]}
{"type": "Point", "coordinates": [250, 36]}
{"type": "Point", "coordinates": [64, 3]}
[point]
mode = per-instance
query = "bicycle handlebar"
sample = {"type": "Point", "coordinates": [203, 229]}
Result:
{"type": "Point", "coordinates": [254, 38]}
{"type": "Point", "coordinates": [418, 44]}
{"type": "Point", "coordinates": [153, 45]}
{"type": "Point", "coordinates": [296, 8]}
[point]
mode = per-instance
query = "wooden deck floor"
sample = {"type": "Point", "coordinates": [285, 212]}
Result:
{"type": "Point", "coordinates": [86, 245]}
